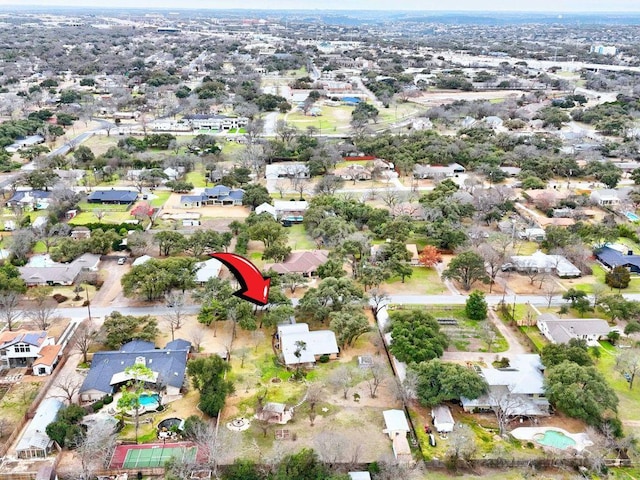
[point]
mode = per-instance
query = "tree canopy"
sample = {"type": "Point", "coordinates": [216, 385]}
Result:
{"type": "Point", "coordinates": [207, 375]}
{"type": "Point", "coordinates": [416, 336]}
{"type": "Point", "coordinates": [439, 382]}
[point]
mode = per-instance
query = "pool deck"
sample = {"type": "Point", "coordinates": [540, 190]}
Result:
{"type": "Point", "coordinates": [529, 433]}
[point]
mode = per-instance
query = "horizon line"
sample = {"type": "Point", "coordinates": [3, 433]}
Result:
{"type": "Point", "coordinates": [315, 10]}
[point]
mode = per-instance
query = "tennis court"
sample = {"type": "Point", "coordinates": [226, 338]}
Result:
{"type": "Point", "coordinates": [154, 455]}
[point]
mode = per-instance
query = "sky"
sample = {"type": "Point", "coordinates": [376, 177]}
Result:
{"type": "Point", "coordinates": [424, 5]}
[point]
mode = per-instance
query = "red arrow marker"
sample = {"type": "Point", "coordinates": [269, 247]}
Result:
{"type": "Point", "coordinates": [255, 288]}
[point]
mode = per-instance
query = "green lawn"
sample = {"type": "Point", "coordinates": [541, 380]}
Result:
{"type": "Point", "coordinates": [586, 283]}
{"type": "Point", "coordinates": [422, 281]}
{"type": "Point", "coordinates": [197, 179]}
{"type": "Point", "coordinates": [298, 238]}
{"type": "Point", "coordinates": [330, 120]}
{"type": "Point", "coordinates": [110, 217]}
{"type": "Point", "coordinates": [39, 247]}
{"type": "Point", "coordinates": [90, 207]}
{"type": "Point", "coordinates": [629, 406]}
{"type": "Point", "coordinates": [527, 248]}
{"type": "Point", "coordinates": [535, 336]}
{"type": "Point", "coordinates": [161, 198]}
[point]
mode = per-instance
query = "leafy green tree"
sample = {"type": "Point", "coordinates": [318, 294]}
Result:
{"type": "Point", "coordinates": [331, 295]}
{"type": "Point", "coordinates": [42, 179]}
{"type": "Point", "coordinates": [169, 242]}
{"type": "Point", "coordinates": [416, 336]}
{"type": "Point", "coordinates": [364, 111]}
{"type": "Point", "coordinates": [255, 195]}
{"type": "Point", "coordinates": [349, 325]}
{"type": "Point", "coordinates": [573, 295]}
{"type": "Point", "coordinates": [268, 231]}
{"type": "Point", "coordinates": [304, 465]}
{"type": "Point", "coordinates": [575, 351]}
{"type": "Point", "coordinates": [207, 375]}
{"type": "Point", "coordinates": [10, 280]}
{"type": "Point", "coordinates": [467, 268]}
{"type": "Point", "coordinates": [533, 183]}
{"type": "Point", "coordinates": [438, 382]}
{"type": "Point", "coordinates": [155, 278]}
{"type": "Point", "coordinates": [133, 390]}
{"type": "Point", "coordinates": [580, 392]}
{"type": "Point", "coordinates": [476, 306]}
{"type": "Point", "coordinates": [121, 329]}
{"type": "Point", "coordinates": [619, 308]}
{"type": "Point", "coordinates": [618, 277]}
{"type": "Point", "coordinates": [632, 327]}
{"type": "Point", "coordinates": [242, 469]}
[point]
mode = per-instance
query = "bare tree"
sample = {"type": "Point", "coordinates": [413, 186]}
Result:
{"type": "Point", "coordinates": [628, 362]}
{"type": "Point", "coordinates": [83, 338]}
{"type": "Point", "coordinates": [280, 187]}
{"type": "Point", "coordinates": [462, 445]}
{"type": "Point", "coordinates": [489, 336]}
{"type": "Point", "coordinates": [257, 336]}
{"type": "Point", "coordinates": [390, 197]}
{"type": "Point", "coordinates": [42, 312]}
{"type": "Point", "coordinates": [493, 260]}
{"type": "Point", "coordinates": [9, 312]}
{"type": "Point", "coordinates": [549, 291]}
{"type": "Point", "coordinates": [175, 316]}
{"type": "Point", "coordinates": [344, 378]}
{"type": "Point", "coordinates": [68, 386]}
{"type": "Point", "coordinates": [374, 376]}
{"type": "Point", "coordinates": [378, 300]}
{"type": "Point", "coordinates": [504, 406]}
{"type": "Point", "coordinates": [99, 213]}
{"type": "Point", "coordinates": [197, 336]}
{"type": "Point", "coordinates": [96, 448]}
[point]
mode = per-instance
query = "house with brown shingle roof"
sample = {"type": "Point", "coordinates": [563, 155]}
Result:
{"type": "Point", "coordinates": [29, 349]}
{"type": "Point", "coordinates": [305, 263]}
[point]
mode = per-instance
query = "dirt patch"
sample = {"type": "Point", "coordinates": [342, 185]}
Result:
{"type": "Point", "coordinates": [172, 205]}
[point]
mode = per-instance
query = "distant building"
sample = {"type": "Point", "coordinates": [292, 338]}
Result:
{"type": "Point", "coordinates": [35, 443]}
{"type": "Point", "coordinates": [314, 344]}
{"type": "Point", "coordinates": [562, 330]}
{"type": "Point", "coordinates": [122, 197]}
{"type": "Point", "coordinates": [603, 50]}
{"type": "Point", "coordinates": [214, 122]}
{"type": "Point", "coordinates": [25, 142]}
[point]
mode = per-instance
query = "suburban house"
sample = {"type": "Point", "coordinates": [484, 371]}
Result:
{"type": "Point", "coordinates": [397, 427]}
{"type": "Point", "coordinates": [607, 197]}
{"type": "Point", "coordinates": [121, 197]}
{"type": "Point", "coordinates": [34, 199]}
{"type": "Point", "coordinates": [193, 201]}
{"type": "Point", "coordinates": [107, 373]}
{"type": "Point", "coordinates": [286, 170]}
{"type": "Point", "coordinates": [442, 419]}
{"type": "Point", "coordinates": [532, 234]}
{"type": "Point", "coordinates": [437, 171]}
{"type": "Point", "coordinates": [214, 122]}
{"type": "Point", "coordinates": [26, 142]}
{"type": "Point", "coordinates": [290, 210]}
{"type": "Point", "coordinates": [207, 270]}
{"type": "Point", "coordinates": [517, 389]}
{"type": "Point", "coordinates": [412, 248]}
{"type": "Point", "coordinates": [353, 172]}
{"type": "Point", "coordinates": [223, 195]}
{"type": "Point", "coordinates": [305, 263]}
{"type": "Point", "coordinates": [300, 346]}
{"type": "Point", "coordinates": [80, 233]}
{"type": "Point", "coordinates": [542, 263]}
{"type": "Point", "coordinates": [35, 443]}
{"type": "Point", "coordinates": [561, 330]}
{"type": "Point", "coordinates": [41, 270]}
{"type": "Point", "coordinates": [612, 257]}
{"type": "Point", "coordinates": [266, 208]}
{"type": "Point", "coordinates": [33, 349]}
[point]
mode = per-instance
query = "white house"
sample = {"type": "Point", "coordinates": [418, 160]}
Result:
{"type": "Point", "coordinates": [518, 388]}
{"type": "Point", "coordinates": [558, 330]}
{"type": "Point", "coordinates": [437, 171]}
{"type": "Point", "coordinates": [266, 208]}
{"type": "Point", "coordinates": [532, 234]}
{"type": "Point", "coordinates": [442, 419]}
{"type": "Point", "coordinates": [301, 346]}
{"type": "Point", "coordinates": [292, 210]}
{"type": "Point", "coordinates": [286, 170]}
{"type": "Point", "coordinates": [607, 197]}
{"type": "Point", "coordinates": [543, 263]}
{"type": "Point", "coordinates": [33, 349]}
{"type": "Point", "coordinates": [208, 269]}
{"type": "Point", "coordinates": [397, 427]}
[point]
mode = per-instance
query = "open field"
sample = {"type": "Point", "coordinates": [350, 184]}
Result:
{"type": "Point", "coordinates": [298, 239]}
{"type": "Point", "coordinates": [423, 281]}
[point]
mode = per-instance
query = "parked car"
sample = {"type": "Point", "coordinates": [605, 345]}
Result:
{"type": "Point", "coordinates": [121, 261]}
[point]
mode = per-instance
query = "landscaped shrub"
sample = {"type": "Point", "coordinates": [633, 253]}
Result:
{"type": "Point", "coordinates": [58, 297]}
{"type": "Point", "coordinates": [107, 399]}
{"type": "Point", "coordinates": [324, 358]}
{"type": "Point", "coordinates": [97, 406]}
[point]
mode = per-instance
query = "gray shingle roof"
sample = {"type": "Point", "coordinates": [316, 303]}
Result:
{"type": "Point", "coordinates": [170, 364]}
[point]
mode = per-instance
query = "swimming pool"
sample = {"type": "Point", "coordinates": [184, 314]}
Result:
{"type": "Point", "coordinates": [632, 216]}
{"type": "Point", "coordinates": [41, 261]}
{"type": "Point", "coordinates": [551, 438]}
{"type": "Point", "coordinates": [149, 400]}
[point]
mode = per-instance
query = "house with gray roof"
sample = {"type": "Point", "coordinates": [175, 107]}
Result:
{"type": "Point", "coordinates": [437, 171]}
{"type": "Point", "coordinates": [113, 196]}
{"type": "Point", "coordinates": [35, 199]}
{"type": "Point", "coordinates": [48, 272]}
{"type": "Point", "coordinates": [107, 374]}
{"type": "Point", "coordinates": [36, 349]}
{"type": "Point", "coordinates": [518, 389]}
{"type": "Point", "coordinates": [223, 195]}
{"type": "Point", "coordinates": [612, 257]}
{"type": "Point", "coordinates": [35, 443]}
{"type": "Point", "coordinates": [561, 330]}
{"type": "Point", "coordinates": [316, 344]}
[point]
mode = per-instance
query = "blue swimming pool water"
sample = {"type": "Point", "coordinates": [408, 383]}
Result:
{"type": "Point", "coordinates": [146, 399]}
{"type": "Point", "coordinates": [632, 216]}
{"type": "Point", "coordinates": [551, 438]}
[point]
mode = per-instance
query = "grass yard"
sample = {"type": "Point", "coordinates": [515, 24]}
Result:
{"type": "Point", "coordinates": [39, 247]}
{"type": "Point", "coordinates": [106, 207]}
{"type": "Point", "coordinates": [331, 119]}
{"type": "Point", "coordinates": [424, 281]}
{"type": "Point", "coordinates": [535, 336]}
{"type": "Point", "coordinates": [397, 112]}
{"type": "Point", "coordinates": [629, 407]}
{"type": "Point", "coordinates": [160, 199]}
{"type": "Point", "coordinates": [110, 217]}
{"type": "Point", "coordinates": [527, 248]}
{"type": "Point", "coordinates": [298, 238]}
{"type": "Point", "coordinates": [197, 179]}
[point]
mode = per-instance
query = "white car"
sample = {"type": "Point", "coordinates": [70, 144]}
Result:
{"type": "Point", "coordinates": [121, 261]}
